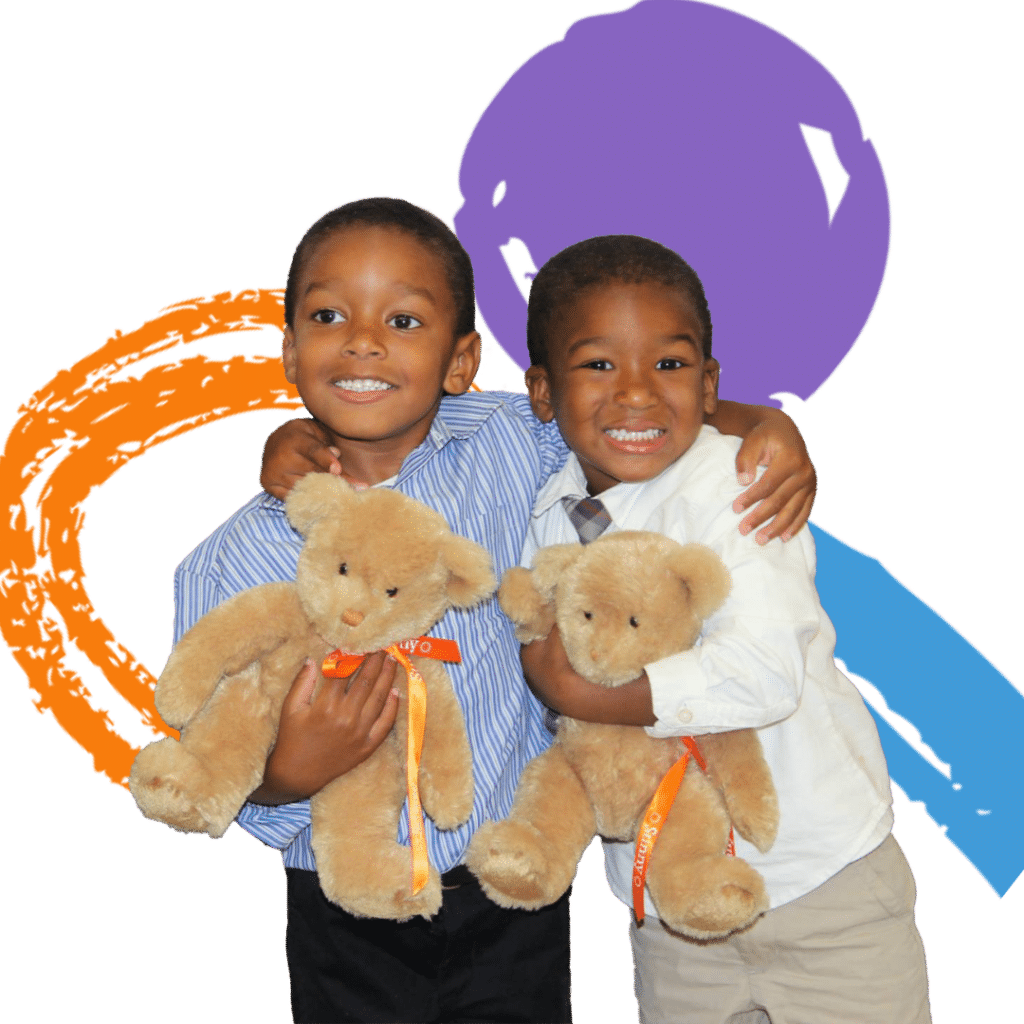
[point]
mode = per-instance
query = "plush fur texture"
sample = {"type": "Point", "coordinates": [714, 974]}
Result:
{"type": "Point", "coordinates": [376, 568]}
{"type": "Point", "coordinates": [620, 603]}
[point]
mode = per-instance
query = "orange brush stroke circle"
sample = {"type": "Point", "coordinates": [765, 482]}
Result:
{"type": "Point", "coordinates": [72, 435]}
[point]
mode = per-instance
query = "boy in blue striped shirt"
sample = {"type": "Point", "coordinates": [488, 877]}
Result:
{"type": "Point", "coordinates": [380, 342]}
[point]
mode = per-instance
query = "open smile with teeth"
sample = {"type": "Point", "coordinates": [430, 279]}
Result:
{"type": "Point", "coordinates": [636, 435]}
{"type": "Point", "coordinates": [362, 384]}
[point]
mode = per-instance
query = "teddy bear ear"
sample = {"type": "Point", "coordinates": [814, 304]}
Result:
{"type": "Point", "coordinates": [470, 578]}
{"type": "Point", "coordinates": [314, 497]}
{"type": "Point", "coordinates": [704, 575]}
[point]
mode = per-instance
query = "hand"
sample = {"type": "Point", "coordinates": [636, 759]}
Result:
{"type": "Point", "coordinates": [557, 684]}
{"type": "Point", "coordinates": [296, 448]}
{"type": "Point", "coordinates": [786, 490]}
{"type": "Point", "coordinates": [327, 732]}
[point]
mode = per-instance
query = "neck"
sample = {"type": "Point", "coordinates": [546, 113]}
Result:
{"type": "Point", "coordinates": [371, 462]}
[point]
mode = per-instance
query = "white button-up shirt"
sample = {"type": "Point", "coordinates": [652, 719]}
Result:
{"type": "Point", "coordinates": [764, 660]}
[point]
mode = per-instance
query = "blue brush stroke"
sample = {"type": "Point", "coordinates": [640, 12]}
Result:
{"type": "Point", "coordinates": [968, 713]}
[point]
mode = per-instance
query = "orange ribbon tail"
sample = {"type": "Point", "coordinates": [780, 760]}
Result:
{"type": "Point", "coordinates": [654, 819]}
{"type": "Point", "coordinates": [417, 720]}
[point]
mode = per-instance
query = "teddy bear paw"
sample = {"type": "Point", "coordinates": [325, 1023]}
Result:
{"type": "Point", "coordinates": [511, 859]}
{"type": "Point", "coordinates": [388, 895]}
{"type": "Point", "coordinates": [756, 819]}
{"type": "Point", "coordinates": [447, 799]}
{"type": "Point", "coordinates": [165, 780]}
{"type": "Point", "coordinates": [732, 897]}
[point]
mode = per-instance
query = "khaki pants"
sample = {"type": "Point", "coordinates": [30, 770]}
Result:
{"type": "Point", "coordinates": [846, 953]}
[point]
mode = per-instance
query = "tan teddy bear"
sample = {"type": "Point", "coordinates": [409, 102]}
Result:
{"type": "Point", "coordinates": [377, 569]}
{"type": "Point", "coordinates": [622, 602]}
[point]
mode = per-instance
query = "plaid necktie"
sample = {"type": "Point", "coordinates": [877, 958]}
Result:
{"type": "Point", "coordinates": [589, 517]}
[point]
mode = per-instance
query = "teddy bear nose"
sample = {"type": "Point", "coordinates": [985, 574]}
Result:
{"type": "Point", "coordinates": [351, 617]}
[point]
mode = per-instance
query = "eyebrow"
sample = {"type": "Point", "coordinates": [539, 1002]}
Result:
{"type": "Point", "coordinates": [597, 339]}
{"type": "Point", "coordinates": [407, 289]}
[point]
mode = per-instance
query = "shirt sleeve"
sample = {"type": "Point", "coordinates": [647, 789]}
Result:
{"type": "Point", "coordinates": [546, 436]}
{"type": "Point", "coordinates": [276, 826]}
{"type": "Point", "coordinates": [747, 669]}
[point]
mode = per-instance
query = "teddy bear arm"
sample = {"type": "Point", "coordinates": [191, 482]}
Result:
{"type": "Point", "coordinates": [231, 636]}
{"type": "Point", "coordinates": [531, 611]}
{"type": "Point", "coordinates": [737, 765]}
{"type": "Point", "coordinates": [199, 783]}
{"type": "Point", "coordinates": [446, 765]}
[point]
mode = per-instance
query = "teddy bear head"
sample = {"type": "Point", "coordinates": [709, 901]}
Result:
{"type": "Point", "coordinates": [620, 603]}
{"type": "Point", "coordinates": [378, 567]}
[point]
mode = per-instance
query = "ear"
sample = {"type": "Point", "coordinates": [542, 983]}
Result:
{"type": "Point", "coordinates": [288, 355]}
{"type": "Point", "coordinates": [539, 387]}
{"type": "Point", "coordinates": [550, 565]}
{"type": "Point", "coordinates": [463, 365]}
{"type": "Point", "coordinates": [704, 576]}
{"type": "Point", "coordinates": [470, 578]}
{"type": "Point", "coordinates": [314, 497]}
{"type": "Point", "coordinates": [712, 374]}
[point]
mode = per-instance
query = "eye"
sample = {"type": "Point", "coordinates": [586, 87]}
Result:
{"type": "Point", "coordinates": [328, 316]}
{"type": "Point", "coordinates": [391, 591]}
{"type": "Point", "coordinates": [588, 615]}
{"type": "Point", "coordinates": [670, 363]}
{"type": "Point", "coordinates": [343, 569]}
{"type": "Point", "coordinates": [633, 622]}
{"type": "Point", "coordinates": [404, 322]}
{"type": "Point", "coordinates": [598, 364]}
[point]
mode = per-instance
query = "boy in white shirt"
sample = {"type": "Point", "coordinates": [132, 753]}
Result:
{"type": "Point", "coordinates": [619, 336]}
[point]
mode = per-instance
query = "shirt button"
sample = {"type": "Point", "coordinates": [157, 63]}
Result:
{"type": "Point", "coordinates": [685, 715]}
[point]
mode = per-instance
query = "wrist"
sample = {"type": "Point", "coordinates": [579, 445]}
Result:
{"type": "Point", "coordinates": [629, 704]}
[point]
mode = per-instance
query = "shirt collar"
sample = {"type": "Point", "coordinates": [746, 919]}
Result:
{"type": "Point", "coordinates": [569, 481]}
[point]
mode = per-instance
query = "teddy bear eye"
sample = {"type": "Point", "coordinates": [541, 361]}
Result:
{"type": "Point", "coordinates": [391, 591]}
{"type": "Point", "coordinates": [343, 569]}
{"type": "Point", "coordinates": [633, 622]}
{"type": "Point", "coordinates": [588, 615]}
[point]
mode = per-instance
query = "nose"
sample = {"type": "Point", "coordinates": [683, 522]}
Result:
{"type": "Point", "coordinates": [635, 389]}
{"type": "Point", "coordinates": [351, 617]}
{"type": "Point", "coordinates": [364, 342]}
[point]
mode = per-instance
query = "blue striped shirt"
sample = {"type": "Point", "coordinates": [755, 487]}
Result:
{"type": "Point", "coordinates": [480, 466]}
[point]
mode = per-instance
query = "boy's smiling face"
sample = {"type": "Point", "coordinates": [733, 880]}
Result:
{"type": "Point", "coordinates": [626, 380]}
{"type": "Point", "coordinates": [372, 349]}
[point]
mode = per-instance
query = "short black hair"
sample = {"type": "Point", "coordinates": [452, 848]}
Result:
{"type": "Point", "coordinates": [402, 216]}
{"type": "Point", "coordinates": [627, 259]}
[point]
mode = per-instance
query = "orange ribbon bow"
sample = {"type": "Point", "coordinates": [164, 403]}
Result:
{"type": "Point", "coordinates": [657, 812]}
{"type": "Point", "coordinates": [340, 665]}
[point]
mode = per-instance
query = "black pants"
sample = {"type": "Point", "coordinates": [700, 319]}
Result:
{"type": "Point", "coordinates": [473, 962]}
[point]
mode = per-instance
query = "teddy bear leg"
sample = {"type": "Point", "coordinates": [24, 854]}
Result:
{"type": "Point", "coordinates": [446, 766]}
{"type": "Point", "coordinates": [198, 784]}
{"type": "Point", "coordinates": [736, 762]}
{"type": "Point", "coordinates": [355, 820]}
{"type": "Point", "coordinates": [528, 860]}
{"type": "Point", "coordinates": [697, 888]}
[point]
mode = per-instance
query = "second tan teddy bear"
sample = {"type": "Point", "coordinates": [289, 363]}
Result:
{"type": "Point", "coordinates": [377, 569]}
{"type": "Point", "coordinates": [624, 601]}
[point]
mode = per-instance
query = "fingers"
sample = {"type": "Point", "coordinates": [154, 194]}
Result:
{"type": "Point", "coordinates": [373, 699]}
{"type": "Point", "coordinates": [303, 685]}
{"type": "Point", "coordinates": [747, 461]}
{"type": "Point", "coordinates": [782, 498]}
{"type": "Point", "coordinates": [785, 512]}
{"type": "Point", "coordinates": [296, 448]}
